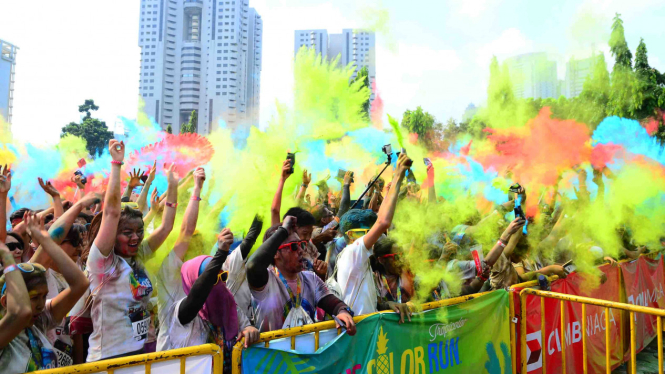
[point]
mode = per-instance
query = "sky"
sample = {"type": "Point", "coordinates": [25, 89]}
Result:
{"type": "Point", "coordinates": [433, 54]}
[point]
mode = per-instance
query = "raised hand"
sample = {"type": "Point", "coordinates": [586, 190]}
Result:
{"type": "Point", "coordinates": [78, 179]}
{"type": "Point", "coordinates": [306, 178]}
{"type": "Point", "coordinates": [515, 226]}
{"type": "Point", "coordinates": [403, 164]}
{"type": "Point", "coordinates": [48, 188]}
{"type": "Point", "coordinates": [348, 178]}
{"type": "Point", "coordinates": [151, 174]}
{"type": "Point", "coordinates": [171, 176]}
{"type": "Point", "coordinates": [91, 198]}
{"type": "Point", "coordinates": [286, 169]}
{"type": "Point", "coordinates": [224, 240]}
{"type": "Point", "coordinates": [290, 224]}
{"type": "Point", "coordinates": [199, 177]}
{"type": "Point", "coordinates": [35, 226]}
{"type": "Point", "coordinates": [117, 150]}
{"type": "Point", "coordinates": [155, 206]}
{"type": "Point", "coordinates": [5, 179]}
{"type": "Point", "coordinates": [135, 178]}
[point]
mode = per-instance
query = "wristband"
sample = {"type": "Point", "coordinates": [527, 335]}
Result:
{"type": "Point", "coordinates": [195, 198]}
{"type": "Point", "coordinates": [114, 162]}
{"type": "Point", "coordinates": [171, 205]}
{"type": "Point", "coordinates": [501, 243]}
{"type": "Point", "coordinates": [9, 269]}
{"type": "Point", "coordinates": [304, 185]}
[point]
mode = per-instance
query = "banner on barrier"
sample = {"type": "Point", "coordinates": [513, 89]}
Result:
{"type": "Point", "coordinates": [472, 337]}
{"type": "Point", "coordinates": [574, 284]}
{"type": "Point", "coordinates": [643, 280]}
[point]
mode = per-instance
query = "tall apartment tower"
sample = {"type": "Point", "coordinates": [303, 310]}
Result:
{"type": "Point", "coordinates": [577, 72]}
{"type": "Point", "coordinates": [351, 46]}
{"type": "Point", "coordinates": [196, 55]}
{"type": "Point", "coordinates": [533, 75]}
{"type": "Point", "coordinates": [7, 73]}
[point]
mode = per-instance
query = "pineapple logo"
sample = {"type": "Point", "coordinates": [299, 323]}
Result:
{"type": "Point", "coordinates": [384, 363]}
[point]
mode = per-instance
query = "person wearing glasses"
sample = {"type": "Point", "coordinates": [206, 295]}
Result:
{"type": "Point", "coordinates": [27, 314]}
{"type": "Point", "coordinates": [207, 311]}
{"type": "Point", "coordinates": [354, 273]}
{"type": "Point", "coordinates": [283, 294]}
{"type": "Point", "coordinates": [394, 283]}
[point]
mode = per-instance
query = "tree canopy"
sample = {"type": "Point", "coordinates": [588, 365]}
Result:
{"type": "Point", "coordinates": [94, 131]}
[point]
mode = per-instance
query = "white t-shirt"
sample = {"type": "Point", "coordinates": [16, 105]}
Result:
{"type": "Point", "coordinates": [57, 336]}
{"type": "Point", "coordinates": [17, 357]}
{"type": "Point", "coordinates": [356, 279]}
{"type": "Point", "coordinates": [120, 303]}
{"type": "Point", "coordinates": [237, 281]}
{"type": "Point", "coordinates": [270, 301]}
{"type": "Point", "coordinates": [169, 291]}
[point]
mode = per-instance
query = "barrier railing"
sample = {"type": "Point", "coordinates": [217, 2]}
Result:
{"type": "Point", "coordinates": [632, 309]}
{"type": "Point", "coordinates": [317, 328]}
{"type": "Point", "coordinates": [147, 361]}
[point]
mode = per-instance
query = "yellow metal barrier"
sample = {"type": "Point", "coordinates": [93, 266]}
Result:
{"type": "Point", "coordinates": [316, 328]}
{"type": "Point", "coordinates": [632, 309]}
{"type": "Point", "coordinates": [146, 360]}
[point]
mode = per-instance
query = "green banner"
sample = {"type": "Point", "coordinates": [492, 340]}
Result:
{"type": "Point", "coordinates": [472, 337]}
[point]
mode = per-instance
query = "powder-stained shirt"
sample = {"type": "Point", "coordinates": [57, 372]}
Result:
{"type": "Point", "coordinates": [237, 282]}
{"type": "Point", "coordinates": [503, 273]}
{"type": "Point", "coordinates": [169, 291]}
{"type": "Point", "coordinates": [356, 279]}
{"type": "Point", "coordinates": [17, 357]}
{"type": "Point", "coordinates": [61, 341]}
{"type": "Point", "coordinates": [121, 294]}
{"type": "Point", "coordinates": [270, 301]}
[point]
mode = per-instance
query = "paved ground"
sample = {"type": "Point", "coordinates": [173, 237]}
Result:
{"type": "Point", "coordinates": [647, 360]}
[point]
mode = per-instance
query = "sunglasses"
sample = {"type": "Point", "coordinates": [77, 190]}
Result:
{"type": "Point", "coordinates": [14, 246]}
{"type": "Point", "coordinates": [357, 232]}
{"type": "Point", "coordinates": [394, 256]}
{"type": "Point", "coordinates": [25, 267]}
{"type": "Point", "coordinates": [294, 246]}
{"type": "Point", "coordinates": [223, 276]}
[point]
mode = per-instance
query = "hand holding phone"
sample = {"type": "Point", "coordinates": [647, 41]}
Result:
{"type": "Point", "coordinates": [291, 157]}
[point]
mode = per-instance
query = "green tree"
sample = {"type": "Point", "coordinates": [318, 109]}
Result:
{"type": "Point", "coordinates": [192, 125]}
{"type": "Point", "coordinates": [363, 76]}
{"type": "Point", "coordinates": [623, 81]}
{"type": "Point", "coordinates": [94, 131]}
{"type": "Point", "coordinates": [169, 129]}
{"type": "Point", "coordinates": [429, 131]}
{"type": "Point", "coordinates": [619, 46]}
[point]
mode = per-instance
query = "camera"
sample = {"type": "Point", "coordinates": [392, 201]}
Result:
{"type": "Point", "coordinates": [84, 179]}
{"type": "Point", "coordinates": [387, 149]}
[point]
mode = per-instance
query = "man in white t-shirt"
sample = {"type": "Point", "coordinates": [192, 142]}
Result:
{"type": "Point", "coordinates": [354, 274]}
{"type": "Point", "coordinates": [282, 293]}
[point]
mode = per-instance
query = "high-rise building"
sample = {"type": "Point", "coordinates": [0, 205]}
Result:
{"type": "Point", "coordinates": [576, 73]}
{"type": "Point", "coordinates": [351, 46]}
{"type": "Point", "coordinates": [7, 74]}
{"type": "Point", "coordinates": [203, 56]}
{"type": "Point", "coordinates": [533, 76]}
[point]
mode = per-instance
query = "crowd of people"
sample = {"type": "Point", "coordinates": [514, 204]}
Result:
{"type": "Point", "coordinates": [75, 287]}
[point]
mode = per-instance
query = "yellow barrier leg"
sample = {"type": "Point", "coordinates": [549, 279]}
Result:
{"type": "Point", "coordinates": [660, 345]}
{"type": "Point", "coordinates": [513, 343]}
{"type": "Point", "coordinates": [608, 368]}
{"type": "Point", "coordinates": [563, 337]}
{"type": "Point", "coordinates": [633, 359]}
{"type": "Point", "coordinates": [542, 333]}
{"type": "Point", "coordinates": [584, 366]}
{"type": "Point", "coordinates": [523, 331]}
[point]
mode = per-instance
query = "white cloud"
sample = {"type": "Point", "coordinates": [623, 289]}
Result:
{"type": "Point", "coordinates": [472, 8]}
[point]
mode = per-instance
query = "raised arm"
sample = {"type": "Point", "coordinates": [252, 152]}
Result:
{"type": "Point", "coordinates": [429, 183]}
{"type": "Point", "coordinates": [105, 239]}
{"type": "Point", "coordinates": [277, 200]}
{"type": "Point", "coordinates": [5, 186]}
{"type": "Point", "coordinates": [345, 201]}
{"type": "Point", "coordinates": [191, 215]}
{"type": "Point", "coordinates": [506, 242]}
{"type": "Point", "coordinates": [55, 195]}
{"type": "Point", "coordinates": [15, 300]}
{"type": "Point", "coordinates": [387, 209]}
{"type": "Point", "coordinates": [59, 229]}
{"type": "Point", "coordinates": [257, 265]}
{"type": "Point", "coordinates": [253, 233]}
{"type": "Point", "coordinates": [306, 180]}
{"type": "Point", "coordinates": [142, 202]}
{"type": "Point", "coordinates": [77, 281]}
{"type": "Point", "coordinates": [157, 238]}
{"type": "Point", "coordinates": [201, 288]}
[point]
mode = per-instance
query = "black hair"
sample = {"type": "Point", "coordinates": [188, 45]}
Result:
{"type": "Point", "coordinates": [66, 205]}
{"type": "Point", "coordinates": [75, 234]}
{"type": "Point", "coordinates": [270, 232]}
{"type": "Point", "coordinates": [49, 218]}
{"type": "Point", "coordinates": [85, 216]}
{"type": "Point", "coordinates": [19, 214]}
{"type": "Point", "coordinates": [304, 218]}
{"type": "Point", "coordinates": [357, 218]}
{"type": "Point", "coordinates": [384, 246]}
{"type": "Point", "coordinates": [17, 237]}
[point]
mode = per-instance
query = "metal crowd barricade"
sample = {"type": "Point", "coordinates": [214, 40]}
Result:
{"type": "Point", "coordinates": [146, 360]}
{"type": "Point", "coordinates": [317, 328]}
{"type": "Point", "coordinates": [632, 309]}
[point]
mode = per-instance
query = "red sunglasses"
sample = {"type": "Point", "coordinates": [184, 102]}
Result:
{"type": "Point", "coordinates": [294, 246]}
{"type": "Point", "coordinates": [395, 256]}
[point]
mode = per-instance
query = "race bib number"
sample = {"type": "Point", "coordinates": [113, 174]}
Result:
{"type": "Point", "coordinates": [63, 358]}
{"type": "Point", "coordinates": [141, 328]}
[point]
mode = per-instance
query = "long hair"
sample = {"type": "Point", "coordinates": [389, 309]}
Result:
{"type": "Point", "coordinates": [127, 213]}
{"type": "Point", "coordinates": [32, 279]}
